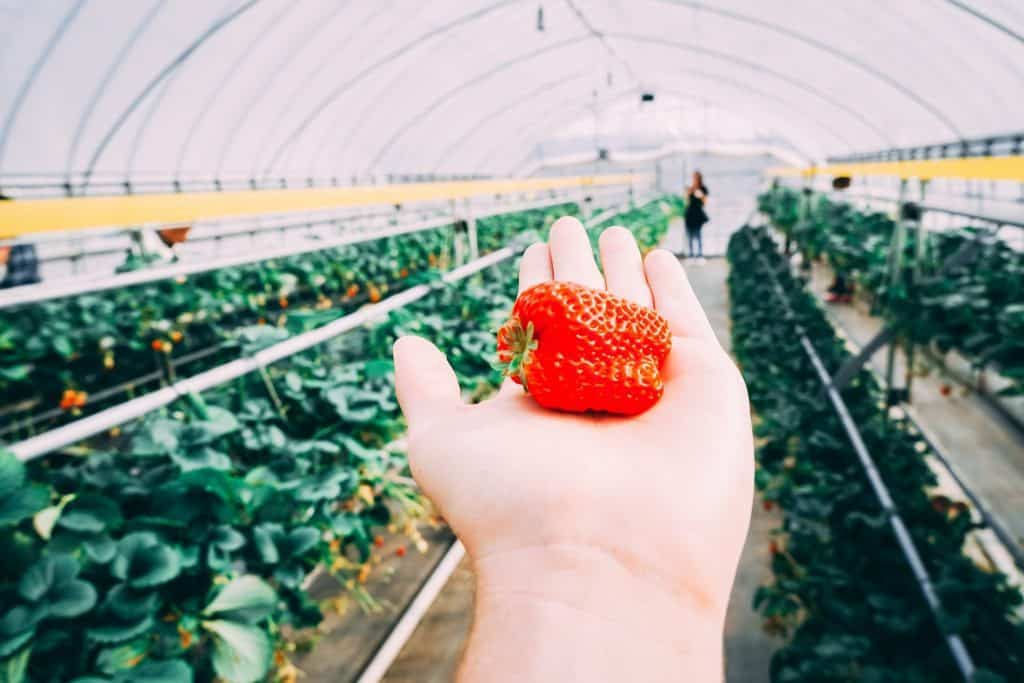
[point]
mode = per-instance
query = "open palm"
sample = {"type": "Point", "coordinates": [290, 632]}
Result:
{"type": "Point", "coordinates": [665, 495]}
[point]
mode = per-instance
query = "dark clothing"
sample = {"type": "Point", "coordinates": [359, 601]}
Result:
{"type": "Point", "coordinates": [695, 217]}
{"type": "Point", "coordinates": [22, 266]}
{"type": "Point", "coordinates": [693, 237]}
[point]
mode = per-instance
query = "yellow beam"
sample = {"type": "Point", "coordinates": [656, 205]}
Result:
{"type": "Point", "coordinates": [26, 216]}
{"type": "Point", "coordinates": [975, 168]}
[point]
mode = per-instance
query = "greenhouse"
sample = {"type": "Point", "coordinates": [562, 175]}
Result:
{"type": "Point", "coordinates": [577, 340]}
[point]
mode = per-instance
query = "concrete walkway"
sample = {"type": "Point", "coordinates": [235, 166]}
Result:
{"type": "Point", "coordinates": [748, 650]}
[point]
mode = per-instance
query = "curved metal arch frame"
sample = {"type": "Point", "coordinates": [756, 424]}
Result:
{"type": "Point", "coordinates": [544, 119]}
{"type": "Point", "coordinates": [154, 108]}
{"type": "Point", "coordinates": [981, 16]}
{"type": "Point", "coordinates": [504, 109]}
{"type": "Point", "coordinates": [819, 45]}
{"type": "Point", "coordinates": [33, 74]}
{"type": "Point", "coordinates": [140, 132]}
{"type": "Point", "coordinates": [521, 136]}
{"type": "Point", "coordinates": [101, 88]}
{"type": "Point", "coordinates": [449, 94]}
{"type": "Point", "coordinates": [282, 115]}
{"type": "Point", "coordinates": [746, 88]}
{"type": "Point", "coordinates": [861, 118]}
{"type": "Point", "coordinates": [322, 144]}
{"type": "Point", "coordinates": [279, 69]}
{"type": "Point", "coordinates": [480, 124]}
{"type": "Point", "coordinates": [420, 115]}
{"type": "Point", "coordinates": [215, 93]}
{"type": "Point", "coordinates": [753, 66]}
{"type": "Point", "coordinates": [212, 30]}
{"type": "Point", "coordinates": [397, 53]}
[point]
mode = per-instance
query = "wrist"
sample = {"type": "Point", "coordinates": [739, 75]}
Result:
{"type": "Point", "coordinates": [570, 612]}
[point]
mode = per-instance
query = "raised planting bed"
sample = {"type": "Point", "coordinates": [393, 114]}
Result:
{"type": "Point", "coordinates": [181, 546]}
{"type": "Point", "coordinates": [842, 593]}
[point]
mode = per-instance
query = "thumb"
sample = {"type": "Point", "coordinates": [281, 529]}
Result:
{"type": "Point", "coordinates": [425, 382]}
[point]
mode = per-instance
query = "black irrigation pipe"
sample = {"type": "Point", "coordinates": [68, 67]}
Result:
{"type": "Point", "coordinates": [906, 543]}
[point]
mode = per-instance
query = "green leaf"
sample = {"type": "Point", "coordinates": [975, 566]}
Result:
{"type": "Point", "coordinates": [246, 599]}
{"type": "Point", "coordinates": [325, 486]}
{"type": "Point", "coordinates": [380, 368]}
{"type": "Point", "coordinates": [293, 381]}
{"type": "Point", "coordinates": [263, 540]}
{"type": "Point", "coordinates": [113, 660]}
{"type": "Point", "coordinates": [158, 436]}
{"type": "Point", "coordinates": [200, 457]}
{"type": "Point", "coordinates": [23, 503]}
{"type": "Point", "coordinates": [129, 604]}
{"type": "Point", "coordinates": [51, 584]}
{"type": "Point", "coordinates": [143, 561]}
{"type": "Point", "coordinates": [90, 513]}
{"type": "Point", "coordinates": [241, 653]}
{"type": "Point", "coordinates": [227, 538]}
{"type": "Point", "coordinates": [12, 473]}
{"type": "Point", "coordinates": [302, 539]}
{"type": "Point", "coordinates": [14, 669]}
{"type": "Point", "coordinates": [16, 628]}
{"type": "Point", "coordinates": [100, 549]}
{"type": "Point", "coordinates": [116, 632]}
{"type": "Point", "coordinates": [71, 599]}
{"type": "Point", "coordinates": [158, 671]}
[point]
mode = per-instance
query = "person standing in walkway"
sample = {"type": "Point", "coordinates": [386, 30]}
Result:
{"type": "Point", "coordinates": [695, 216]}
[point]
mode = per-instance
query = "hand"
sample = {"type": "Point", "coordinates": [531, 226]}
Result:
{"type": "Point", "coordinates": [605, 547]}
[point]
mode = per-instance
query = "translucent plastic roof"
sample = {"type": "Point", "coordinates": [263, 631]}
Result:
{"type": "Point", "coordinates": [254, 88]}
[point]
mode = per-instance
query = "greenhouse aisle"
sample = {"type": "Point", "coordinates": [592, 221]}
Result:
{"type": "Point", "coordinates": [981, 445]}
{"type": "Point", "coordinates": [431, 654]}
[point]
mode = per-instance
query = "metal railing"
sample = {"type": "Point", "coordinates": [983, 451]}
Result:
{"type": "Point", "coordinates": [102, 421]}
{"type": "Point", "coordinates": [992, 145]}
{"type": "Point", "coordinates": [30, 294]}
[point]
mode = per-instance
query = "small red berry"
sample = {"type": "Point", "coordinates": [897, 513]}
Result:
{"type": "Point", "coordinates": [945, 390]}
{"type": "Point", "coordinates": [378, 541]}
{"type": "Point", "coordinates": [401, 551]}
{"type": "Point", "coordinates": [768, 505]}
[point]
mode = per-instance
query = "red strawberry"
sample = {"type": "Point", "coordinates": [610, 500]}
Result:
{"type": "Point", "coordinates": [579, 349]}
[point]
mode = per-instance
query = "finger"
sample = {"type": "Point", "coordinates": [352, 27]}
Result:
{"type": "Point", "coordinates": [535, 266]}
{"type": "Point", "coordinates": [572, 259]}
{"type": "Point", "coordinates": [623, 266]}
{"type": "Point", "coordinates": [425, 382]}
{"type": "Point", "coordinates": [674, 297]}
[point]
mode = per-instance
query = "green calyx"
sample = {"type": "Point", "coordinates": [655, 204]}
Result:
{"type": "Point", "coordinates": [521, 343]}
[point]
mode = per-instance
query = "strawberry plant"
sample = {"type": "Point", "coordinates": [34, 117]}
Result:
{"type": "Point", "coordinates": [179, 548]}
{"type": "Point", "coordinates": [976, 308]}
{"type": "Point", "coordinates": [88, 343]}
{"type": "Point", "coordinates": [842, 593]}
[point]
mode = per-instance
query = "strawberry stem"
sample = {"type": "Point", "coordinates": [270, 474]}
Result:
{"type": "Point", "coordinates": [521, 344]}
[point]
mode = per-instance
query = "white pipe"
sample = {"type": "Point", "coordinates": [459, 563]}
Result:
{"type": "Point", "coordinates": [111, 417]}
{"type": "Point", "coordinates": [403, 630]}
